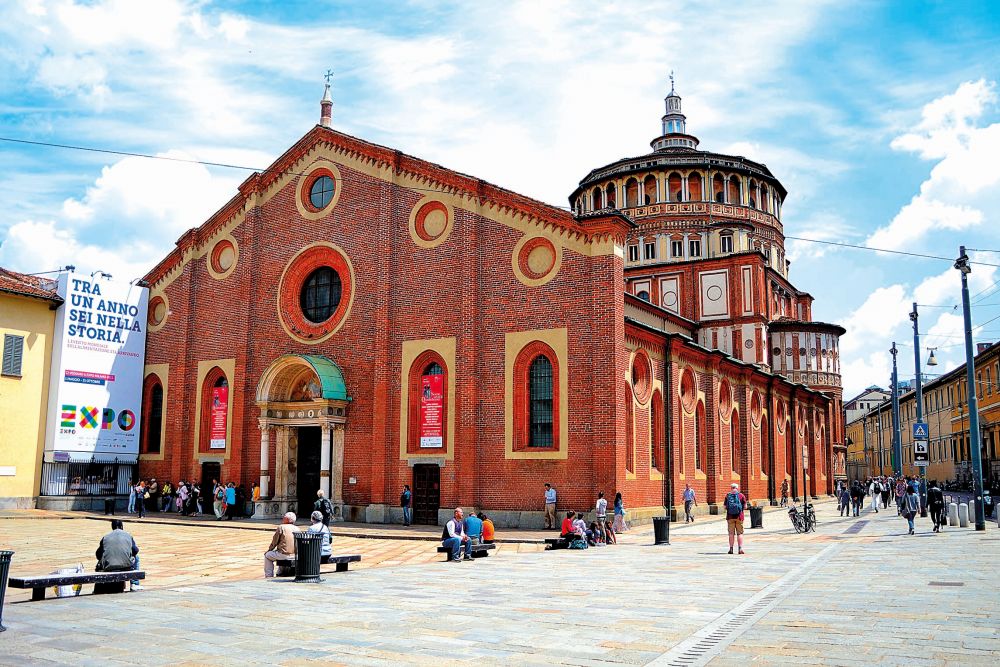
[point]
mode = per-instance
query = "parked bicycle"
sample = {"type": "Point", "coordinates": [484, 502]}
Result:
{"type": "Point", "coordinates": [803, 521]}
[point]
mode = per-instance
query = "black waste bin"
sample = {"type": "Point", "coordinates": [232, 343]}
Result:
{"type": "Point", "coordinates": [307, 555]}
{"type": "Point", "coordinates": [5, 557]}
{"type": "Point", "coordinates": [756, 517]}
{"type": "Point", "coordinates": [109, 506]}
{"type": "Point", "coordinates": [661, 530]}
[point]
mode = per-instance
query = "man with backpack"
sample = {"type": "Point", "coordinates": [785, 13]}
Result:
{"type": "Point", "coordinates": [406, 501]}
{"type": "Point", "coordinates": [735, 503]}
{"type": "Point", "coordinates": [324, 507]}
{"type": "Point", "coordinates": [875, 490]}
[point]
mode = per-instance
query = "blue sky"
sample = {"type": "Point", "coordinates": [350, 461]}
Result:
{"type": "Point", "coordinates": [881, 119]}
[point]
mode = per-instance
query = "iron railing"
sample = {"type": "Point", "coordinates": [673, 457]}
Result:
{"type": "Point", "coordinates": [87, 478]}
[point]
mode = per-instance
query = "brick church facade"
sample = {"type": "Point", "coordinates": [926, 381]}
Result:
{"type": "Point", "coordinates": [356, 319]}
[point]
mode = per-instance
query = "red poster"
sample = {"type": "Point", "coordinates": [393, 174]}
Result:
{"type": "Point", "coordinates": [217, 420]}
{"type": "Point", "coordinates": [432, 411]}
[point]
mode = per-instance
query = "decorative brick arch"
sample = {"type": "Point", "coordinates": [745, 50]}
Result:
{"type": "Point", "coordinates": [522, 407]}
{"type": "Point", "coordinates": [152, 415]}
{"type": "Point", "coordinates": [413, 386]}
{"type": "Point", "coordinates": [212, 379]}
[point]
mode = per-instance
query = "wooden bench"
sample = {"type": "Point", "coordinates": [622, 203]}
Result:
{"type": "Point", "coordinates": [478, 550]}
{"type": "Point", "coordinates": [99, 579]}
{"type": "Point", "coordinates": [286, 568]}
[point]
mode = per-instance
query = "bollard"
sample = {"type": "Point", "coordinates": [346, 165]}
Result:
{"type": "Point", "coordinates": [5, 557]}
{"type": "Point", "coordinates": [963, 515]}
{"type": "Point", "coordinates": [953, 515]}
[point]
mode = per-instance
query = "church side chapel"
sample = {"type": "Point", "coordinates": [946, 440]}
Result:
{"type": "Point", "coordinates": [355, 319]}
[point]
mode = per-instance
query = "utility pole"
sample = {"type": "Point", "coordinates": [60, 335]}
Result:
{"type": "Point", "coordinates": [962, 264]}
{"type": "Point", "coordinates": [897, 442]}
{"type": "Point", "coordinates": [920, 405]}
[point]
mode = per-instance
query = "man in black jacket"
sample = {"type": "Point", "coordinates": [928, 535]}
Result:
{"type": "Point", "coordinates": [118, 552]}
{"type": "Point", "coordinates": [935, 502]}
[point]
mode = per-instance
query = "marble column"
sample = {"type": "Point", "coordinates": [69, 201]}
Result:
{"type": "Point", "coordinates": [265, 472]}
{"type": "Point", "coordinates": [281, 462]}
{"type": "Point", "coordinates": [324, 460]}
{"type": "Point", "coordinates": [338, 465]}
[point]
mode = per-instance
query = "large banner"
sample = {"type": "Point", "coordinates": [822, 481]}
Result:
{"type": "Point", "coordinates": [217, 427]}
{"type": "Point", "coordinates": [432, 411]}
{"type": "Point", "coordinates": [98, 352]}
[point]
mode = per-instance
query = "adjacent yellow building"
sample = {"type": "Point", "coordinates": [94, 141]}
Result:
{"type": "Point", "coordinates": [27, 319]}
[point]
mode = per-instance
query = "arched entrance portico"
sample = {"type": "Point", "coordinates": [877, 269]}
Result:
{"type": "Point", "coordinates": [303, 401]}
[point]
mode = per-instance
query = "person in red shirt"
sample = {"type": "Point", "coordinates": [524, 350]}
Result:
{"type": "Point", "coordinates": [735, 503]}
{"type": "Point", "coordinates": [567, 532]}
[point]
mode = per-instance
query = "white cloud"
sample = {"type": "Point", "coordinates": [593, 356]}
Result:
{"type": "Point", "coordinates": [961, 192]}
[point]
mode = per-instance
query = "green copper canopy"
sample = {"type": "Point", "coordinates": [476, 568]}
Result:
{"type": "Point", "coordinates": [330, 378]}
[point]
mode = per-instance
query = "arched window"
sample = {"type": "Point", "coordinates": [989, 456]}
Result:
{"type": "Point", "coordinates": [694, 187]}
{"type": "Point", "coordinates": [734, 442]}
{"type": "Point", "coordinates": [215, 401]}
{"type": "Point", "coordinates": [735, 190]}
{"type": "Point", "coordinates": [700, 444]}
{"type": "Point", "coordinates": [765, 446]}
{"type": "Point", "coordinates": [427, 399]}
{"type": "Point", "coordinates": [643, 294]}
{"type": "Point", "coordinates": [718, 189]}
{"type": "Point", "coordinates": [152, 425]}
{"type": "Point", "coordinates": [789, 452]}
{"type": "Point", "coordinates": [631, 193]}
{"type": "Point", "coordinates": [540, 395]}
{"type": "Point", "coordinates": [656, 442]}
{"type": "Point", "coordinates": [598, 199]}
{"type": "Point", "coordinates": [610, 196]}
{"type": "Point", "coordinates": [649, 189]}
{"type": "Point", "coordinates": [629, 429]}
{"type": "Point", "coordinates": [674, 187]}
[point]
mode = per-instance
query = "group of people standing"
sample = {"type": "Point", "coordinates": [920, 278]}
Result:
{"type": "Point", "coordinates": [907, 493]}
{"type": "Point", "coordinates": [185, 498]}
{"type": "Point", "coordinates": [600, 512]}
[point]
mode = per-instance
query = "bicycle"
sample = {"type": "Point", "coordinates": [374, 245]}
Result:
{"type": "Point", "coordinates": [803, 521]}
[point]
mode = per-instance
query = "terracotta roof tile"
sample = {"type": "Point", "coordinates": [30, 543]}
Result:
{"type": "Point", "coordinates": [13, 282]}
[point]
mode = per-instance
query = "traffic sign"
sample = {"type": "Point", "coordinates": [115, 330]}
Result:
{"type": "Point", "coordinates": [920, 430]}
{"type": "Point", "coordinates": [920, 451]}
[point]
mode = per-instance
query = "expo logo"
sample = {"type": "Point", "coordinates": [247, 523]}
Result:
{"type": "Point", "coordinates": [87, 418]}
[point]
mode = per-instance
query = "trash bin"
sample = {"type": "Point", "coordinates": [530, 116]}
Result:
{"type": "Point", "coordinates": [109, 506]}
{"type": "Point", "coordinates": [756, 517]}
{"type": "Point", "coordinates": [307, 548]}
{"type": "Point", "coordinates": [661, 530]}
{"type": "Point", "coordinates": [5, 557]}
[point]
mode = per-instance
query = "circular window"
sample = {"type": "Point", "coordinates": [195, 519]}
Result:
{"type": "Point", "coordinates": [320, 295]}
{"type": "Point", "coordinates": [321, 192]}
{"type": "Point", "coordinates": [315, 293]}
{"type": "Point", "coordinates": [642, 373]}
{"type": "Point", "coordinates": [157, 311]}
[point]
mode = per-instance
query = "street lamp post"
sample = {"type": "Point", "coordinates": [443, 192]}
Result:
{"type": "Point", "coordinates": [963, 266]}
{"type": "Point", "coordinates": [920, 405]}
{"type": "Point", "coordinates": [897, 446]}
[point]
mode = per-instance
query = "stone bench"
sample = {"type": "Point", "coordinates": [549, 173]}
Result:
{"type": "Point", "coordinates": [286, 568]}
{"type": "Point", "coordinates": [478, 550]}
{"type": "Point", "coordinates": [104, 582]}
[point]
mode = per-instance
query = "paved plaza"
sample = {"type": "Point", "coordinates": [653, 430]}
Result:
{"type": "Point", "coordinates": [858, 592]}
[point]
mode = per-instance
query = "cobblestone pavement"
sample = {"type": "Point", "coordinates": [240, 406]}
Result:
{"type": "Point", "coordinates": [873, 596]}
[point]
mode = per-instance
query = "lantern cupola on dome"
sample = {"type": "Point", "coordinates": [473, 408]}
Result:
{"type": "Point", "coordinates": [675, 136]}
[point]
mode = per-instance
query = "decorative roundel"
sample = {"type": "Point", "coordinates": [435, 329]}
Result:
{"type": "Point", "coordinates": [431, 221]}
{"type": "Point", "coordinates": [748, 344]}
{"type": "Point", "coordinates": [788, 351]}
{"type": "Point", "coordinates": [780, 416]}
{"type": "Point", "coordinates": [642, 376]}
{"type": "Point", "coordinates": [536, 260]}
{"type": "Point", "coordinates": [223, 257]}
{"type": "Point", "coordinates": [318, 189]}
{"type": "Point", "coordinates": [802, 351]}
{"type": "Point", "coordinates": [689, 394]}
{"type": "Point", "coordinates": [157, 312]}
{"type": "Point", "coordinates": [725, 399]}
{"type": "Point", "coordinates": [776, 351]}
{"type": "Point", "coordinates": [315, 293]}
{"type": "Point", "coordinates": [670, 299]}
{"type": "Point", "coordinates": [714, 293]}
{"type": "Point", "coordinates": [756, 412]}
{"type": "Point", "coordinates": [812, 352]}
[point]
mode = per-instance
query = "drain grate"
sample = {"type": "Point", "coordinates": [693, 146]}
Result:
{"type": "Point", "coordinates": [711, 640]}
{"type": "Point", "coordinates": [856, 528]}
{"type": "Point", "coordinates": [946, 583]}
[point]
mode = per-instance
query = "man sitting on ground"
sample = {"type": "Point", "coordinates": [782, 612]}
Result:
{"type": "Point", "coordinates": [474, 529]}
{"type": "Point", "coordinates": [454, 537]}
{"type": "Point", "coordinates": [118, 552]}
{"type": "Point", "coordinates": [282, 544]}
{"type": "Point", "coordinates": [489, 532]}
{"type": "Point", "coordinates": [568, 532]}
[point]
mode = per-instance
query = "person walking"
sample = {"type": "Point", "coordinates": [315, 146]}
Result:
{"type": "Point", "coordinates": [690, 500]}
{"type": "Point", "coordinates": [218, 497]}
{"type": "Point", "coordinates": [550, 507]}
{"type": "Point", "coordinates": [230, 501]}
{"type": "Point", "coordinates": [935, 503]}
{"type": "Point", "coordinates": [886, 490]}
{"type": "Point", "coordinates": [874, 490]}
{"type": "Point", "coordinates": [131, 498]}
{"type": "Point", "coordinates": [324, 507]}
{"type": "Point", "coordinates": [845, 500]}
{"type": "Point", "coordinates": [911, 506]}
{"type": "Point", "coordinates": [406, 502]}
{"type": "Point", "coordinates": [735, 503]}
{"type": "Point", "coordinates": [784, 493]}
{"type": "Point", "coordinates": [601, 516]}
{"type": "Point", "coordinates": [857, 497]}
{"type": "Point", "coordinates": [900, 492]}
{"type": "Point", "coordinates": [619, 525]}
{"type": "Point", "coordinates": [183, 493]}
{"type": "Point", "coordinates": [168, 497]}
{"type": "Point", "coordinates": [140, 498]}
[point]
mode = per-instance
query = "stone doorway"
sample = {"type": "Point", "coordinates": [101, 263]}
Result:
{"type": "Point", "coordinates": [308, 474]}
{"type": "Point", "coordinates": [426, 493]}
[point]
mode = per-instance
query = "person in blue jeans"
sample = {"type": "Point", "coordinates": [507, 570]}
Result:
{"type": "Point", "coordinates": [474, 529]}
{"type": "Point", "coordinates": [406, 501]}
{"type": "Point", "coordinates": [454, 537]}
{"type": "Point", "coordinates": [911, 505]}
{"type": "Point", "coordinates": [230, 501]}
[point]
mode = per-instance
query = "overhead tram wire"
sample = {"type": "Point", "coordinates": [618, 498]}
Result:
{"type": "Point", "coordinates": [225, 165]}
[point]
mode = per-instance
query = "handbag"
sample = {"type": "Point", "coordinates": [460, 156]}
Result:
{"type": "Point", "coordinates": [146, 496]}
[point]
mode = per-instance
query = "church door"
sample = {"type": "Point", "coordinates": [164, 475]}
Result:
{"type": "Point", "coordinates": [307, 482]}
{"type": "Point", "coordinates": [426, 494]}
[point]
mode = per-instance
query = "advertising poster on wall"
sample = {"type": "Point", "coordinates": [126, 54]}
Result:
{"type": "Point", "coordinates": [217, 427]}
{"type": "Point", "coordinates": [432, 411]}
{"type": "Point", "coordinates": [98, 352]}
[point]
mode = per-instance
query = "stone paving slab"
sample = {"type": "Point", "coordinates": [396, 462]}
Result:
{"type": "Point", "coordinates": [868, 602]}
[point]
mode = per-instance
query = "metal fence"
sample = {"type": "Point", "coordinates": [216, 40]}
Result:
{"type": "Point", "coordinates": [87, 478]}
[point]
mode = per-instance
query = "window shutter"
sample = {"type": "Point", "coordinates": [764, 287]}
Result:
{"type": "Point", "coordinates": [13, 348]}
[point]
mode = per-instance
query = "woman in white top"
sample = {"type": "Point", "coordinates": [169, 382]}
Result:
{"type": "Point", "coordinates": [317, 526]}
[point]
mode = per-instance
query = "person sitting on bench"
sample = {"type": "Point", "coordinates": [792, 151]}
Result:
{"type": "Point", "coordinates": [282, 544]}
{"type": "Point", "coordinates": [319, 526]}
{"type": "Point", "coordinates": [489, 531]}
{"type": "Point", "coordinates": [454, 537]}
{"type": "Point", "coordinates": [118, 552]}
{"type": "Point", "coordinates": [474, 529]}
